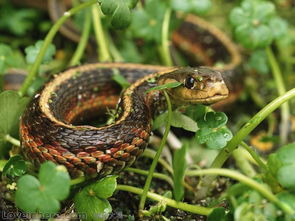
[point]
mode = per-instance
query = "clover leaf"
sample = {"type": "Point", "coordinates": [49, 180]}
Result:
{"type": "Point", "coordinates": [191, 6]}
{"type": "Point", "coordinates": [11, 108]}
{"type": "Point", "coordinates": [147, 21]}
{"type": "Point", "coordinates": [43, 195]}
{"type": "Point", "coordinates": [282, 165]}
{"type": "Point", "coordinates": [119, 10]}
{"type": "Point", "coordinates": [33, 50]}
{"type": "Point", "coordinates": [213, 131]}
{"type": "Point", "coordinates": [259, 62]}
{"type": "Point", "coordinates": [255, 24]}
{"type": "Point", "coordinates": [92, 200]}
{"type": "Point", "coordinates": [15, 167]}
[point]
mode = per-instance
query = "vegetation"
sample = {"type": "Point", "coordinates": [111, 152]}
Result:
{"type": "Point", "coordinates": [231, 165]}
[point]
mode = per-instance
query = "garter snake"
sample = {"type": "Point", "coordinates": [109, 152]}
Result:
{"type": "Point", "coordinates": [51, 125]}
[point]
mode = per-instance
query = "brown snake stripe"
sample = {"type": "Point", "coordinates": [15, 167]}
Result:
{"type": "Point", "coordinates": [51, 125]}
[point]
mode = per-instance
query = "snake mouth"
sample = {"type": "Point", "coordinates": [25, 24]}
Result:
{"type": "Point", "coordinates": [205, 100]}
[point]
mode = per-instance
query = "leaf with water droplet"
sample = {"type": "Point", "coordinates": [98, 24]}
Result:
{"type": "Point", "coordinates": [213, 131]}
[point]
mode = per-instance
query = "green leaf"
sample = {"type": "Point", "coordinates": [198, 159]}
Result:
{"type": "Point", "coordinates": [182, 121]}
{"type": "Point", "coordinates": [179, 167]}
{"type": "Point", "coordinates": [255, 24]}
{"type": "Point", "coordinates": [55, 179]}
{"type": "Point", "coordinates": [160, 121]}
{"type": "Point", "coordinates": [16, 21]}
{"type": "Point", "coordinates": [122, 16]}
{"type": "Point", "coordinates": [213, 131]}
{"type": "Point", "coordinates": [278, 26]}
{"type": "Point", "coordinates": [164, 86]}
{"type": "Point", "coordinates": [15, 167]}
{"type": "Point", "coordinates": [119, 10]}
{"type": "Point", "coordinates": [11, 108]}
{"type": "Point", "coordinates": [196, 112]}
{"type": "Point", "coordinates": [218, 214]}
{"type": "Point", "coordinates": [254, 37]}
{"type": "Point", "coordinates": [108, 7]}
{"type": "Point", "coordinates": [33, 50]}
{"type": "Point", "coordinates": [282, 165]}
{"type": "Point", "coordinates": [105, 187]}
{"type": "Point", "coordinates": [43, 195]}
{"type": "Point", "coordinates": [213, 120]}
{"type": "Point", "coordinates": [259, 61]}
{"type": "Point", "coordinates": [287, 198]}
{"type": "Point", "coordinates": [178, 120]}
{"type": "Point", "coordinates": [6, 58]}
{"type": "Point", "coordinates": [93, 208]}
{"type": "Point", "coordinates": [147, 22]}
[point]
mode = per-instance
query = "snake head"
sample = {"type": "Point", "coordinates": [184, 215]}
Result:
{"type": "Point", "coordinates": [200, 85]}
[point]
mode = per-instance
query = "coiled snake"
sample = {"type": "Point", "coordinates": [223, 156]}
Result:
{"type": "Point", "coordinates": [50, 127]}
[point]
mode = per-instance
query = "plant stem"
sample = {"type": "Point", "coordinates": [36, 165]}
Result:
{"type": "Point", "coordinates": [285, 109]}
{"type": "Point", "coordinates": [156, 158]}
{"type": "Point", "coordinates": [78, 180]}
{"type": "Point", "coordinates": [12, 140]}
{"type": "Point", "coordinates": [224, 154]}
{"type": "Point", "coordinates": [151, 154]}
{"type": "Point", "coordinates": [248, 127]}
{"type": "Point", "coordinates": [170, 202]}
{"type": "Point", "coordinates": [103, 51]}
{"type": "Point", "coordinates": [262, 189]}
{"type": "Point", "coordinates": [48, 39]}
{"type": "Point", "coordinates": [255, 157]}
{"type": "Point", "coordinates": [156, 175]}
{"type": "Point", "coordinates": [270, 179]}
{"type": "Point", "coordinates": [164, 49]}
{"type": "Point", "coordinates": [83, 41]}
{"type": "Point", "coordinates": [115, 53]}
{"type": "Point", "coordinates": [243, 163]}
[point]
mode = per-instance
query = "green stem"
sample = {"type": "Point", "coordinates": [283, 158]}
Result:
{"type": "Point", "coordinates": [103, 51]}
{"type": "Point", "coordinates": [159, 151]}
{"type": "Point", "coordinates": [48, 39]}
{"type": "Point", "coordinates": [262, 189]}
{"type": "Point", "coordinates": [83, 41]}
{"type": "Point", "coordinates": [115, 53]}
{"type": "Point", "coordinates": [255, 157]}
{"type": "Point", "coordinates": [78, 180]}
{"type": "Point", "coordinates": [156, 175]}
{"type": "Point", "coordinates": [270, 179]}
{"type": "Point", "coordinates": [164, 49]}
{"type": "Point", "coordinates": [151, 154]}
{"type": "Point", "coordinates": [12, 140]}
{"type": "Point", "coordinates": [285, 109]}
{"type": "Point", "coordinates": [172, 203]}
{"type": "Point", "coordinates": [248, 127]}
{"type": "Point", "coordinates": [205, 184]}
{"type": "Point", "coordinates": [243, 163]}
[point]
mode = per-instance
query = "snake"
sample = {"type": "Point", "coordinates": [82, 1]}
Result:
{"type": "Point", "coordinates": [53, 126]}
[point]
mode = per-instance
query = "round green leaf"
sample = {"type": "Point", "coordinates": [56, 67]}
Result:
{"type": "Point", "coordinates": [108, 7]}
{"type": "Point", "coordinates": [90, 207]}
{"type": "Point", "coordinates": [286, 176]}
{"type": "Point", "coordinates": [213, 120]}
{"type": "Point", "coordinates": [55, 179]}
{"type": "Point", "coordinates": [30, 197]}
{"type": "Point", "coordinates": [122, 16]}
{"type": "Point", "coordinates": [105, 187]}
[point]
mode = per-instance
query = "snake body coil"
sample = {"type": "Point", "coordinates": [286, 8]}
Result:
{"type": "Point", "coordinates": [51, 125]}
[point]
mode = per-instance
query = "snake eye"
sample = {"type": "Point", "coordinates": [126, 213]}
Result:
{"type": "Point", "coordinates": [189, 82]}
